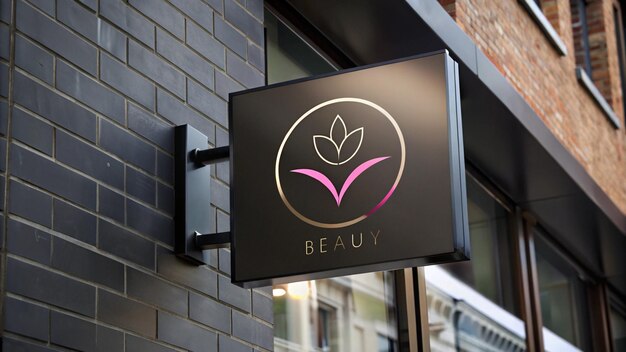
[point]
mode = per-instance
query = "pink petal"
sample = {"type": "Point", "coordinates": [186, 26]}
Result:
{"type": "Point", "coordinates": [357, 172]}
{"type": "Point", "coordinates": [322, 179]}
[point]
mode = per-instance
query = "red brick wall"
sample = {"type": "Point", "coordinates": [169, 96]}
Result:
{"type": "Point", "coordinates": [598, 46]}
{"type": "Point", "coordinates": [506, 33]}
{"type": "Point", "coordinates": [555, 11]}
{"type": "Point", "coordinates": [449, 5]}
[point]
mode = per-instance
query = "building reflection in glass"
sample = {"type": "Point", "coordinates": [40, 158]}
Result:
{"type": "Point", "coordinates": [351, 313]}
{"type": "Point", "coordinates": [472, 304]}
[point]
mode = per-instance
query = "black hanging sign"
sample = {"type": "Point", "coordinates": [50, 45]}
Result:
{"type": "Point", "coordinates": [357, 171]}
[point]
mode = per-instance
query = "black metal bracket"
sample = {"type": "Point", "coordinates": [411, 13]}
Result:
{"type": "Point", "coordinates": [193, 195]}
{"type": "Point", "coordinates": [211, 156]}
{"type": "Point", "coordinates": [212, 240]}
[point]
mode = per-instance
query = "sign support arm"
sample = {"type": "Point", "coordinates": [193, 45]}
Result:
{"type": "Point", "coordinates": [211, 155]}
{"type": "Point", "coordinates": [212, 240]}
{"type": "Point", "coordinates": [193, 225]}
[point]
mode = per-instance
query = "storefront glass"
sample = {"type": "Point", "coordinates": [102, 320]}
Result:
{"type": "Point", "coordinates": [288, 55]}
{"type": "Point", "coordinates": [351, 313]}
{"type": "Point", "coordinates": [563, 299]}
{"type": "Point", "coordinates": [471, 304]}
{"type": "Point", "coordinates": [618, 328]}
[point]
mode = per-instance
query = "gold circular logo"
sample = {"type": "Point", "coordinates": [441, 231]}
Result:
{"type": "Point", "coordinates": [379, 204]}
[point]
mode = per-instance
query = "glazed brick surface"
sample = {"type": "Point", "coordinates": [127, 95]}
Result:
{"type": "Point", "coordinates": [90, 91]}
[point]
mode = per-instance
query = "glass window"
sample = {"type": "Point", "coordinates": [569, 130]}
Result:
{"type": "Point", "coordinates": [471, 304]}
{"type": "Point", "coordinates": [288, 56]}
{"type": "Point", "coordinates": [562, 296]}
{"type": "Point", "coordinates": [488, 270]}
{"type": "Point", "coordinates": [351, 313]}
{"type": "Point", "coordinates": [621, 52]}
{"type": "Point", "coordinates": [618, 327]}
{"type": "Point", "coordinates": [580, 32]}
{"type": "Point", "coordinates": [326, 327]}
{"type": "Point", "coordinates": [386, 344]}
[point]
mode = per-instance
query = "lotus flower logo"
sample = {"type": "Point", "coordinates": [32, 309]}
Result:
{"type": "Point", "coordinates": [337, 149]}
{"type": "Point", "coordinates": [339, 141]}
{"type": "Point", "coordinates": [343, 149]}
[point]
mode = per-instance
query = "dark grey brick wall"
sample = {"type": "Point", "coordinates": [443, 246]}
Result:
{"type": "Point", "coordinates": [89, 93]}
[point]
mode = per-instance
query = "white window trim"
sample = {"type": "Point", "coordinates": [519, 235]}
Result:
{"type": "Point", "coordinates": [585, 80]}
{"type": "Point", "coordinates": [545, 26]}
{"type": "Point", "coordinates": [458, 290]}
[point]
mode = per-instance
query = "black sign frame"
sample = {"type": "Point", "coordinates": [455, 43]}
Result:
{"type": "Point", "coordinates": [193, 189]}
{"type": "Point", "coordinates": [458, 202]}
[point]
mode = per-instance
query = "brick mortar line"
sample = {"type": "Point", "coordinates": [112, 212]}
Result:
{"type": "Point", "coordinates": [215, 66]}
{"type": "Point", "coordinates": [34, 341]}
{"type": "Point", "coordinates": [125, 262]}
{"type": "Point", "coordinates": [97, 287]}
{"type": "Point", "coordinates": [243, 7]}
{"type": "Point", "coordinates": [53, 270]}
{"type": "Point", "coordinates": [61, 24]}
{"type": "Point", "coordinates": [98, 15]}
{"type": "Point", "coordinates": [94, 320]}
{"type": "Point", "coordinates": [264, 294]}
{"type": "Point", "coordinates": [239, 310]}
{"type": "Point", "coordinates": [91, 178]}
{"type": "Point", "coordinates": [153, 114]}
{"type": "Point", "coordinates": [54, 159]}
{"type": "Point", "coordinates": [164, 60]}
{"type": "Point", "coordinates": [189, 106]}
{"type": "Point", "coordinates": [150, 79]}
{"type": "Point", "coordinates": [183, 42]}
{"type": "Point", "coordinates": [94, 249]}
{"type": "Point", "coordinates": [175, 8]}
{"type": "Point", "coordinates": [155, 275]}
{"type": "Point", "coordinates": [210, 34]}
{"type": "Point", "coordinates": [78, 243]}
{"type": "Point", "coordinates": [217, 209]}
{"type": "Point", "coordinates": [223, 15]}
{"type": "Point", "coordinates": [243, 342]}
{"type": "Point", "coordinates": [97, 216]}
{"type": "Point", "coordinates": [204, 58]}
{"type": "Point", "coordinates": [93, 111]}
{"type": "Point", "coordinates": [4, 252]}
{"type": "Point", "coordinates": [101, 51]}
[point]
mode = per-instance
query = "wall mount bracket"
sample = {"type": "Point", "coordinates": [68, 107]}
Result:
{"type": "Point", "coordinates": [193, 193]}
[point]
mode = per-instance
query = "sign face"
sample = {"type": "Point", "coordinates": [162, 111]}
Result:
{"type": "Point", "coordinates": [357, 171]}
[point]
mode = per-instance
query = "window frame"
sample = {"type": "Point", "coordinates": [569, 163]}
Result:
{"type": "Point", "coordinates": [522, 285]}
{"type": "Point", "coordinates": [534, 10]}
{"type": "Point", "coordinates": [596, 290]}
{"type": "Point", "coordinates": [615, 303]}
{"type": "Point", "coordinates": [567, 265]}
{"type": "Point", "coordinates": [618, 23]}
{"type": "Point", "coordinates": [309, 34]}
{"type": "Point", "coordinates": [581, 5]}
{"type": "Point", "coordinates": [499, 259]}
{"type": "Point", "coordinates": [518, 250]}
{"type": "Point", "coordinates": [584, 71]}
{"type": "Point", "coordinates": [324, 332]}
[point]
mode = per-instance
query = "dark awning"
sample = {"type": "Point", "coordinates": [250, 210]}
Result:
{"type": "Point", "coordinates": [504, 137]}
